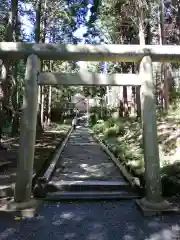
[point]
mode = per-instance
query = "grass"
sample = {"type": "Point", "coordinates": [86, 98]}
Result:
{"type": "Point", "coordinates": [124, 138]}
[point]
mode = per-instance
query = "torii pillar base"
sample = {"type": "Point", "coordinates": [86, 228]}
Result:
{"type": "Point", "coordinates": [153, 209]}
{"type": "Point", "coordinates": [20, 210]}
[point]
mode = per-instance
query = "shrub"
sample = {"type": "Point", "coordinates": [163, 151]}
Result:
{"type": "Point", "coordinates": [120, 130]}
{"type": "Point", "coordinates": [92, 119]}
{"type": "Point", "coordinates": [99, 128]}
{"type": "Point", "coordinates": [110, 122]}
{"type": "Point", "coordinates": [100, 112]}
{"type": "Point", "coordinates": [67, 121]}
{"type": "Point", "coordinates": [110, 132]}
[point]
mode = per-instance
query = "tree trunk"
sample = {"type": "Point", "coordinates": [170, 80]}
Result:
{"type": "Point", "coordinates": [49, 105]}
{"type": "Point", "coordinates": [16, 32]}
{"type": "Point", "coordinates": [141, 42]}
{"type": "Point", "coordinates": [39, 127]}
{"type": "Point", "coordinates": [42, 105]}
{"type": "Point", "coordinates": [138, 102]}
{"type": "Point", "coordinates": [133, 92]}
{"type": "Point", "coordinates": [6, 108]}
{"type": "Point", "coordinates": [16, 120]}
{"type": "Point", "coordinates": [141, 28]}
{"type": "Point", "coordinates": [49, 96]}
{"type": "Point", "coordinates": [148, 37]}
{"type": "Point", "coordinates": [125, 101]}
{"type": "Point", "coordinates": [108, 95]}
{"type": "Point", "coordinates": [42, 91]}
{"type": "Point", "coordinates": [164, 80]}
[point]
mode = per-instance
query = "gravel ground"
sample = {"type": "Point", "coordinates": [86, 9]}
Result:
{"type": "Point", "coordinates": [89, 221]}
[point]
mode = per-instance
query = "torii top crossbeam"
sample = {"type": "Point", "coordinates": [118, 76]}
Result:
{"type": "Point", "coordinates": [122, 53]}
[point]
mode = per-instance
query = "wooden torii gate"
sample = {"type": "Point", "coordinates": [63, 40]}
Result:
{"type": "Point", "coordinates": [153, 200]}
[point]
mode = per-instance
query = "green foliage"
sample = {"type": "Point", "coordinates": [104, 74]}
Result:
{"type": "Point", "coordinates": [67, 121]}
{"type": "Point", "coordinates": [94, 91]}
{"type": "Point", "coordinates": [99, 127]}
{"type": "Point", "coordinates": [100, 113]}
{"type": "Point", "coordinates": [110, 132]}
{"type": "Point", "coordinates": [114, 128]}
{"type": "Point", "coordinates": [174, 96]}
{"type": "Point", "coordinates": [122, 137]}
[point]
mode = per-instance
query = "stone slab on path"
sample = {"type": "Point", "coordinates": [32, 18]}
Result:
{"type": "Point", "coordinates": [83, 159]}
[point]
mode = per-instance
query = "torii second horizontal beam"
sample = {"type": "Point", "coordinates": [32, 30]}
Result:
{"type": "Point", "coordinates": [88, 78]}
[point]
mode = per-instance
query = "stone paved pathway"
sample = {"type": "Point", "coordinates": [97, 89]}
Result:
{"type": "Point", "coordinates": [84, 159]}
{"type": "Point", "coordinates": [91, 221]}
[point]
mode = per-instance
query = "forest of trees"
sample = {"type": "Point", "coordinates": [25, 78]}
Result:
{"type": "Point", "coordinates": [106, 22]}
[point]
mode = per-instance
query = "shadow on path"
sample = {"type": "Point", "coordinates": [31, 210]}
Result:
{"type": "Point", "coordinates": [83, 158]}
{"type": "Point", "coordinates": [90, 221]}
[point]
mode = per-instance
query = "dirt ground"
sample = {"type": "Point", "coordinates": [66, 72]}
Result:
{"type": "Point", "coordinates": [45, 145]}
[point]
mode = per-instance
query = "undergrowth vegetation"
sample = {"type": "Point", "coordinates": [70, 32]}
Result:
{"type": "Point", "coordinates": [124, 137]}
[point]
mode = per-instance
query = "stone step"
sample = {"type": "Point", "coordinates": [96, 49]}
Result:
{"type": "Point", "coordinates": [87, 185]}
{"type": "Point", "coordinates": [114, 195]}
{"type": "Point", "coordinates": [82, 144]}
{"type": "Point", "coordinates": [6, 191]}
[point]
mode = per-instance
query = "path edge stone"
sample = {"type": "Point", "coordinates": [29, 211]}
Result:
{"type": "Point", "coordinates": [39, 189]}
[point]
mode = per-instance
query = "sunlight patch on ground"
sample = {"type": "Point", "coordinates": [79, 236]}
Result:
{"type": "Point", "coordinates": [7, 233]}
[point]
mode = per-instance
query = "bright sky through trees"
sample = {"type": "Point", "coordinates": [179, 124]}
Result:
{"type": "Point", "coordinates": [28, 26]}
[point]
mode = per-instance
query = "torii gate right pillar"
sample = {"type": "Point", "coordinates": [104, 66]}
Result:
{"type": "Point", "coordinates": [153, 201]}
